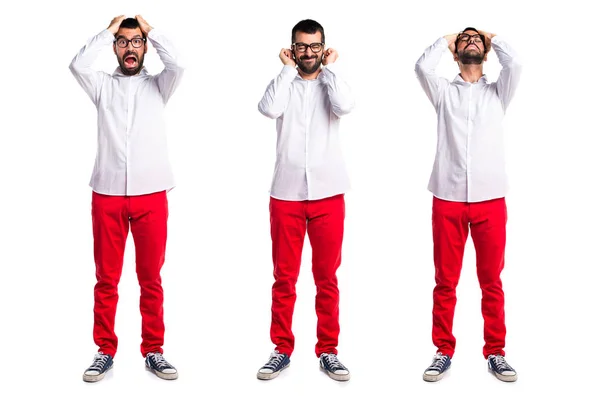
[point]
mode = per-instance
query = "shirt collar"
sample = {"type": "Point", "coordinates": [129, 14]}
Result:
{"type": "Point", "coordinates": [482, 80]}
{"type": "Point", "coordinates": [118, 72]}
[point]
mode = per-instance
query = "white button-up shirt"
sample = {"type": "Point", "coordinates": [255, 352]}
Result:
{"type": "Point", "coordinates": [469, 164]}
{"type": "Point", "coordinates": [309, 164]}
{"type": "Point", "coordinates": [132, 157]}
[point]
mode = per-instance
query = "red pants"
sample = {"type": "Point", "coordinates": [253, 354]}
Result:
{"type": "Point", "coordinates": [451, 222]}
{"type": "Point", "coordinates": [324, 220]}
{"type": "Point", "coordinates": [111, 218]}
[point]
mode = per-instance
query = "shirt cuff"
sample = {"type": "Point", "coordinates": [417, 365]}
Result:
{"type": "Point", "coordinates": [442, 42]}
{"type": "Point", "coordinates": [497, 41]}
{"type": "Point", "coordinates": [332, 68]}
{"type": "Point", "coordinates": [106, 36]}
{"type": "Point", "coordinates": [153, 33]}
{"type": "Point", "coordinates": [289, 71]}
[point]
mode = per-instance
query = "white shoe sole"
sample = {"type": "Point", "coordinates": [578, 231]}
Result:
{"type": "Point", "coordinates": [336, 377]}
{"type": "Point", "coordinates": [504, 378]}
{"type": "Point", "coordinates": [95, 378]}
{"type": "Point", "coordinates": [168, 377]}
{"type": "Point", "coordinates": [266, 376]}
{"type": "Point", "coordinates": [434, 378]}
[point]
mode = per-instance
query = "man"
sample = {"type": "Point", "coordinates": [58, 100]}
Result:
{"type": "Point", "coordinates": [307, 192]}
{"type": "Point", "coordinates": [130, 179]}
{"type": "Point", "coordinates": [469, 183]}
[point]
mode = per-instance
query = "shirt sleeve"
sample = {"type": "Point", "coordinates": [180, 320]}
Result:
{"type": "Point", "coordinates": [277, 96]}
{"type": "Point", "coordinates": [432, 84]}
{"type": "Point", "coordinates": [81, 66]}
{"type": "Point", "coordinates": [510, 74]}
{"type": "Point", "coordinates": [340, 95]}
{"type": "Point", "coordinates": [170, 77]}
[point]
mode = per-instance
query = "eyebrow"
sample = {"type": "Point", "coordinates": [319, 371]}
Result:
{"type": "Point", "coordinates": [125, 37]}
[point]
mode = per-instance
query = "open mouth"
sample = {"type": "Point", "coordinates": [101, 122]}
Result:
{"type": "Point", "coordinates": [130, 61]}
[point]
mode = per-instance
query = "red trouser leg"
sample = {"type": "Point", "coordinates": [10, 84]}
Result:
{"type": "Point", "coordinates": [450, 230]}
{"type": "Point", "coordinates": [110, 223]}
{"type": "Point", "coordinates": [288, 227]}
{"type": "Point", "coordinates": [488, 230]}
{"type": "Point", "coordinates": [149, 215]}
{"type": "Point", "coordinates": [111, 216]}
{"type": "Point", "coordinates": [326, 231]}
{"type": "Point", "coordinates": [289, 221]}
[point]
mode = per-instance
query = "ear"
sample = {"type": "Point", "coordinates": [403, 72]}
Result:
{"type": "Point", "coordinates": [455, 56]}
{"type": "Point", "coordinates": [145, 47]}
{"type": "Point", "coordinates": [115, 48]}
{"type": "Point", "coordinates": [485, 56]}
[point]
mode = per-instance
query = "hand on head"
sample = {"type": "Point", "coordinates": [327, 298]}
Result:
{"type": "Point", "coordinates": [330, 56]}
{"type": "Point", "coordinates": [286, 57]}
{"type": "Point", "coordinates": [113, 27]}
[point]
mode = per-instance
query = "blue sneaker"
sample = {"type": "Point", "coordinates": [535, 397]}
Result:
{"type": "Point", "coordinates": [277, 363]}
{"type": "Point", "coordinates": [156, 363]}
{"type": "Point", "coordinates": [499, 367]}
{"type": "Point", "coordinates": [334, 368]}
{"type": "Point", "coordinates": [438, 367]}
{"type": "Point", "coordinates": [102, 363]}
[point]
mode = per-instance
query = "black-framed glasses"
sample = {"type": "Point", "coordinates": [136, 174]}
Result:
{"type": "Point", "coordinates": [315, 47]}
{"type": "Point", "coordinates": [465, 37]}
{"type": "Point", "coordinates": [136, 42]}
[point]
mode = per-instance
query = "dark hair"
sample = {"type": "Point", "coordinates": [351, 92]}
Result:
{"type": "Point", "coordinates": [308, 26]}
{"type": "Point", "coordinates": [470, 28]}
{"type": "Point", "coordinates": [131, 23]}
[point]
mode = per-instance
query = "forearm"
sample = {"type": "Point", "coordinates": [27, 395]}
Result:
{"type": "Point", "coordinates": [340, 95]}
{"type": "Point", "coordinates": [81, 66]}
{"type": "Point", "coordinates": [276, 97]}
{"type": "Point", "coordinates": [426, 66]}
{"type": "Point", "coordinates": [89, 53]}
{"type": "Point", "coordinates": [510, 74]}
{"type": "Point", "coordinates": [507, 56]}
{"type": "Point", "coordinates": [169, 78]}
{"type": "Point", "coordinates": [431, 57]}
{"type": "Point", "coordinates": [166, 50]}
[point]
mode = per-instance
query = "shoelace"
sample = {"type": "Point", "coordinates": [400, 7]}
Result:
{"type": "Point", "coordinates": [501, 363]}
{"type": "Point", "coordinates": [333, 362]}
{"type": "Point", "coordinates": [99, 361]}
{"type": "Point", "coordinates": [274, 361]}
{"type": "Point", "coordinates": [438, 362]}
{"type": "Point", "coordinates": [160, 361]}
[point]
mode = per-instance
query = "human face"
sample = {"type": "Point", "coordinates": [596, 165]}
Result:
{"type": "Point", "coordinates": [308, 61]}
{"type": "Point", "coordinates": [130, 58]}
{"type": "Point", "coordinates": [470, 48]}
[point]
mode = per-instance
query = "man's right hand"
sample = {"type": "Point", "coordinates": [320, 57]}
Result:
{"type": "Point", "coordinates": [488, 39]}
{"type": "Point", "coordinates": [115, 23]}
{"type": "Point", "coordinates": [285, 55]}
{"type": "Point", "coordinates": [451, 41]}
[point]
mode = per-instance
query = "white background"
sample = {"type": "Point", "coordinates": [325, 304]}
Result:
{"type": "Point", "coordinates": [218, 274]}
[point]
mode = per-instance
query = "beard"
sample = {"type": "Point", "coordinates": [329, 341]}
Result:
{"type": "Point", "coordinates": [470, 57]}
{"type": "Point", "coordinates": [304, 67]}
{"type": "Point", "coordinates": [131, 71]}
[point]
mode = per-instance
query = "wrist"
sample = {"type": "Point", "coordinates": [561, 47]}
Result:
{"type": "Point", "coordinates": [450, 38]}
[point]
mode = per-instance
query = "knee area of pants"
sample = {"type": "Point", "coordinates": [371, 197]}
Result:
{"type": "Point", "coordinates": [446, 286]}
{"type": "Point", "coordinates": [107, 284]}
{"type": "Point", "coordinates": [326, 284]}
